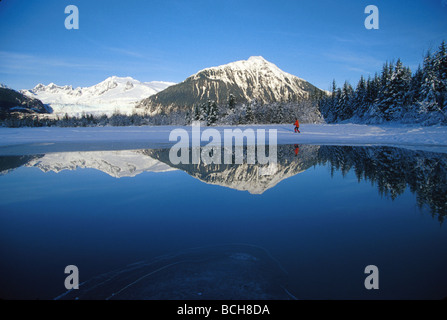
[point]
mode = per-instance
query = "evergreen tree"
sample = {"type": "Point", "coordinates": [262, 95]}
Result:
{"type": "Point", "coordinates": [231, 102]}
{"type": "Point", "coordinates": [279, 113]}
{"type": "Point", "coordinates": [407, 95]}
{"type": "Point", "coordinates": [372, 89]}
{"type": "Point", "coordinates": [359, 104]}
{"type": "Point", "coordinates": [397, 89]}
{"type": "Point", "coordinates": [203, 116]}
{"type": "Point", "coordinates": [196, 113]}
{"type": "Point", "coordinates": [249, 114]}
{"type": "Point", "coordinates": [345, 110]}
{"type": "Point", "coordinates": [334, 100]}
{"type": "Point", "coordinates": [212, 113]}
{"type": "Point", "coordinates": [440, 66]}
{"type": "Point", "coordinates": [384, 99]}
{"type": "Point", "coordinates": [414, 92]}
{"type": "Point", "coordinates": [327, 103]}
{"type": "Point", "coordinates": [428, 101]}
{"type": "Point", "coordinates": [336, 111]}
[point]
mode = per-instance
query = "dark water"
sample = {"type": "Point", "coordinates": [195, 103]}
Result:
{"type": "Point", "coordinates": [306, 230]}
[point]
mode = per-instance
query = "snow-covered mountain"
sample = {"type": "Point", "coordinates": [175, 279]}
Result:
{"type": "Point", "coordinates": [255, 78]}
{"type": "Point", "coordinates": [118, 164]}
{"type": "Point", "coordinates": [114, 93]}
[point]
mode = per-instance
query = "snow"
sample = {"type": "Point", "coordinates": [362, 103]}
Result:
{"type": "Point", "coordinates": [118, 164]}
{"type": "Point", "coordinates": [114, 93]}
{"type": "Point", "coordinates": [253, 63]}
{"type": "Point", "coordinates": [45, 140]}
{"type": "Point", "coordinates": [255, 74]}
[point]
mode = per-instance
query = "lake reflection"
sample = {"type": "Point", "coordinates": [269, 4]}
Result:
{"type": "Point", "coordinates": [391, 170]}
{"type": "Point", "coordinates": [303, 228]}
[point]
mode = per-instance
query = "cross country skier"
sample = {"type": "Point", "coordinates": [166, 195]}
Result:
{"type": "Point", "coordinates": [297, 126]}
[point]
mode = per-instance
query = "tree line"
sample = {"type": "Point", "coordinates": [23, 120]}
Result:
{"type": "Point", "coordinates": [396, 94]}
{"type": "Point", "coordinates": [208, 113]}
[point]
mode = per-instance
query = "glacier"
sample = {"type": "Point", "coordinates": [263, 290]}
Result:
{"type": "Point", "coordinates": [111, 95]}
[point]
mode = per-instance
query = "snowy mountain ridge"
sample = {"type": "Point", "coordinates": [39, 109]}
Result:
{"type": "Point", "coordinates": [247, 80]}
{"type": "Point", "coordinates": [254, 64]}
{"type": "Point", "coordinates": [265, 74]}
{"type": "Point", "coordinates": [104, 97]}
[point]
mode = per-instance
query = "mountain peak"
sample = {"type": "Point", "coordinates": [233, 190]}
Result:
{"type": "Point", "coordinates": [253, 64]}
{"type": "Point", "coordinates": [257, 58]}
{"type": "Point", "coordinates": [119, 78]}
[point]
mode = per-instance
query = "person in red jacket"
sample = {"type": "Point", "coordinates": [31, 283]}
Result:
{"type": "Point", "coordinates": [297, 126]}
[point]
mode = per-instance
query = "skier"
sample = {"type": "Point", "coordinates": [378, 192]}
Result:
{"type": "Point", "coordinates": [297, 149]}
{"type": "Point", "coordinates": [297, 126]}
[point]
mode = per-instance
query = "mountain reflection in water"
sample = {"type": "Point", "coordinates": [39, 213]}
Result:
{"type": "Point", "coordinates": [390, 169]}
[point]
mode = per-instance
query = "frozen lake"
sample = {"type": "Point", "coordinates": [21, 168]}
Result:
{"type": "Point", "coordinates": [306, 230]}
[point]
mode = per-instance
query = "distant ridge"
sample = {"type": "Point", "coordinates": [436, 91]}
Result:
{"type": "Point", "coordinates": [104, 97]}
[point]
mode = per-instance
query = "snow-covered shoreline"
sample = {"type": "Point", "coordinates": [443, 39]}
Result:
{"type": "Point", "coordinates": [44, 140]}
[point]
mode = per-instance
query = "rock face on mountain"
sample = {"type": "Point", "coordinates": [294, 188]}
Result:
{"type": "Point", "coordinates": [13, 101]}
{"type": "Point", "coordinates": [247, 80]}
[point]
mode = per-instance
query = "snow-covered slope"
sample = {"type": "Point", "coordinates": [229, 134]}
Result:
{"type": "Point", "coordinates": [112, 94]}
{"type": "Point", "coordinates": [247, 80]}
{"type": "Point", "coordinates": [126, 163]}
{"type": "Point", "coordinates": [258, 79]}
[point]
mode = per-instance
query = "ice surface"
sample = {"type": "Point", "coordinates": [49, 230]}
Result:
{"type": "Point", "coordinates": [210, 273]}
{"type": "Point", "coordinates": [21, 141]}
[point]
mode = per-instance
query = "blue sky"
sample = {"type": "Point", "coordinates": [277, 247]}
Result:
{"type": "Point", "coordinates": [317, 40]}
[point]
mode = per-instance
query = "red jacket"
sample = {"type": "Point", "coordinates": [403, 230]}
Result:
{"type": "Point", "coordinates": [297, 124]}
